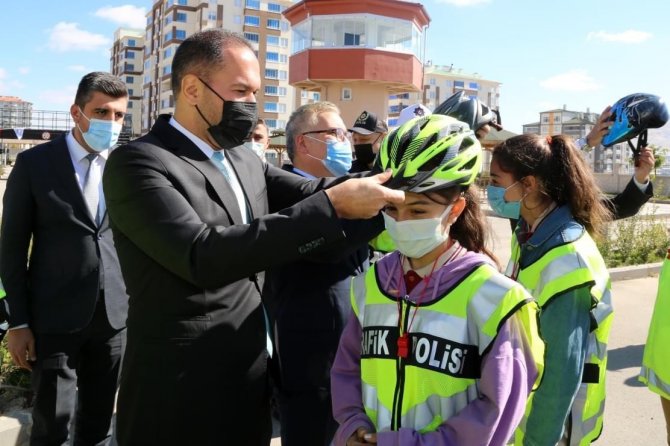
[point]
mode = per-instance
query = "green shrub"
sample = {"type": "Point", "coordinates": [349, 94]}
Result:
{"type": "Point", "coordinates": [635, 241]}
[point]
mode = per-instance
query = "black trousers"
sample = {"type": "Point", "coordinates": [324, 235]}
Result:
{"type": "Point", "coordinates": [88, 361]}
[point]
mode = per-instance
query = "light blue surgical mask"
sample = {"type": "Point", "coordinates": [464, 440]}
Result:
{"type": "Point", "coordinates": [102, 134]}
{"type": "Point", "coordinates": [496, 198]}
{"type": "Point", "coordinates": [338, 156]}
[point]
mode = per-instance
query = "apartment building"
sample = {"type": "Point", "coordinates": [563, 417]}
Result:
{"type": "Point", "coordinates": [14, 112]}
{"type": "Point", "coordinates": [170, 22]}
{"type": "Point", "coordinates": [127, 60]}
{"type": "Point", "coordinates": [577, 124]}
{"type": "Point", "coordinates": [440, 82]}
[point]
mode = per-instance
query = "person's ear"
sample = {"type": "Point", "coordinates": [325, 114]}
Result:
{"type": "Point", "coordinates": [191, 89]}
{"type": "Point", "coordinates": [456, 210]}
{"type": "Point", "coordinates": [75, 113]}
{"type": "Point", "coordinates": [300, 144]}
{"type": "Point", "coordinates": [530, 184]}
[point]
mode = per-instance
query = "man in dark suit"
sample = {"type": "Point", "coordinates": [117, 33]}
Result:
{"type": "Point", "coordinates": [190, 208]}
{"type": "Point", "coordinates": [309, 301]}
{"type": "Point", "coordinates": [65, 295]}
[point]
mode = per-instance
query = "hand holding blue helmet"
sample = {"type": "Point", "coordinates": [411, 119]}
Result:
{"type": "Point", "coordinates": [632, 115]}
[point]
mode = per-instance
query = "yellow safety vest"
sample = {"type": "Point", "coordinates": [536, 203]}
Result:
{"type": "Point", "coordinates": [656, 361]}
{"type": "Point", "coordinates": [448, 338]}
{"type": "Point", "coordinates": [560, 269]}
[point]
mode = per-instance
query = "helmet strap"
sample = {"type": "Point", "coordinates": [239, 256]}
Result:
{"type": "Point", "coordinates": [641, 142]}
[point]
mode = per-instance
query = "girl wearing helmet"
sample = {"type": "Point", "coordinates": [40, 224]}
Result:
{"type": "Point", "coordinates": [441, 349]}
{"type": "Point", "coordinates": [546, 183]}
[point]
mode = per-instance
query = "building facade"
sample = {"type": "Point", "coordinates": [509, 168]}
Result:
{"type": "Point", "coordinates": [440, 82]}
{"type": "Point", "coordinates": [170, 22]}
{"type": "Point", "coordinates": [355, 53]}
{"type": "Point", "coordinates": [127, 60]}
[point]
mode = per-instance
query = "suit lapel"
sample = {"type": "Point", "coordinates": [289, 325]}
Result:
{"type": "Point", "coordinates": [246, 177]}
{"type": "Point", "coordinates": [64, 170]}
{"type": "Point", "coordinates": [189, 152]}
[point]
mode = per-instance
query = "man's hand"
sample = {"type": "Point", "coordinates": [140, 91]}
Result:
{"type": "Point", "coordinates": [21, 345]}
{"type": "Point", "coordinates": [644, 163]}
{"type": "Point", "coordinates": [600, 129]}
{"type": "Point", "coordinates": [362, 437]}
{"type": "Point", "coordinates": [363, 197]}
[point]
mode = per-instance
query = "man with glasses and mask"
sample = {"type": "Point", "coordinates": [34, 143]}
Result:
{"type": "Point", "coordinates": [309, 299]}
{"type": "Point", "coordinates": [368, 132]}
{"type": "Point", "coordinates": [196, 217]}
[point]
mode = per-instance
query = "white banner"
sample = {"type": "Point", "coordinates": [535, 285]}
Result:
{"type": "Point", "coordinates": [19, 133]}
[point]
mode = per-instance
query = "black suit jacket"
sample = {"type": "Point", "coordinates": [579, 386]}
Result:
{"type": "Point", "coordinates": [55, 291]}
{"type": "Point", "coordinates": [195, 365]}
{"type": "Point", "coordinates": [309, 304]}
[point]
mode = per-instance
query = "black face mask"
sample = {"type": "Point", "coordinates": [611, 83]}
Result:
{"type": "Point", "coordinates": [237, 122]}
{"type": "Point", "coordinates": [364, 153]}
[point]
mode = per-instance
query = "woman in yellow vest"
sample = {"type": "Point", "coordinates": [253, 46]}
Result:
{"type": "Point", "coordinates": [656, 361]}
{"type": "Point", "coordinates": [545, 182]}
{"type": "Point", "coordinates": [442, 349]}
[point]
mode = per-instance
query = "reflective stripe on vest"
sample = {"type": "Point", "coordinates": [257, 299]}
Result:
{"type": "Point", "coordinates": [559, 270]}
{"type": "Point", "coordinates": [448, 338]}
{"type": "Point", "coordinates": [656, 361]}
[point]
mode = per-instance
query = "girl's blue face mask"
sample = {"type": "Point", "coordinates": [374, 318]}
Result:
{"type": "Point", "coordinates": [496, 199]}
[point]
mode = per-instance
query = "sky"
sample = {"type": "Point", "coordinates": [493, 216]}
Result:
{"type": "Point", "coordinates": [578, 53]}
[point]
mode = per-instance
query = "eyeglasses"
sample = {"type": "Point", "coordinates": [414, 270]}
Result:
{"type": "Point", "coordinates": [340, 134]}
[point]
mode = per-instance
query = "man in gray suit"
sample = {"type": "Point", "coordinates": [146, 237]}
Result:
{"type": "Point", "coordinates": [66, 298]}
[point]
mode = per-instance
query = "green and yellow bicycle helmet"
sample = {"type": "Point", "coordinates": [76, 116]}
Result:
{"type": "Point", "coordinates": [430, 153]}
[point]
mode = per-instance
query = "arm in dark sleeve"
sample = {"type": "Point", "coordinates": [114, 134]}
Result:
{"type": "Point", "coordinates": [565, 325]}
{"type": "Point", "coordinates": [628, 202]}
{"type": "Point", "coordinates": [16, 232]}
{"type": "Point", "coordinates": [146, 208]}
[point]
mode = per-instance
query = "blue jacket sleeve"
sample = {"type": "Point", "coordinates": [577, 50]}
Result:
{"type": "Point", "coordinates": [565, 325]}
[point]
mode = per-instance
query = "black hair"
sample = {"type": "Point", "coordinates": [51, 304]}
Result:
{"type": "Point", "coordinates": [99, 81]}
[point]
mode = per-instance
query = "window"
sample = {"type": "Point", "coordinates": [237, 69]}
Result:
{"type": "Point", "coordinates": [238, 3]}
{"type": "Point", "coordinates": [273, 23]}
{"type": "Point", "coordinates": [129, 79]}
{"type": "Point", "coordinates": [167, 53]}
{"type": "Point", "coordinates": [431, 95]}
{"type": "Point", "coordinates": [131, 92]}
{"type": "Point", "coordinates": [251, 37]}
{"type": "Point", "coordinates": [473, 86]}
{"type": "Point", "coordinates": [238, 20]}
{"type": "Point", "coordinates": [130, 55]}
{"type": "Point", "coordinates": [129, 67]}
{"type": "Point", "coordinates": [272, 123]}
{"type": "Point", "coordinates": [284, 25]}
{"type": "Point", "coordinates": [131, 42]}
{"type": "Point", "coordinates": [283, 58]}
{"type": "Point", "coordinates": [281, 108]}
{"type": "Point", "coordinates": [270, 107]}
{"type": "Point", "coordinates": [352, 39]}
{"type": "Point", "coordinates": [272, 57]}
{"type": "Point", "coordinates": [316, 96]}
{"type": "Point", "coordinates": [346, 94]}
{"type": "Point", "coordinates": [180, 34]}
{"type": "Point", "coordinates": [459, 84]}
{"type": "Point", "coordinates": [271, 90]}
{"type": "Point", "coordinates": [271, 73]}
{"type": "Point", "coordinates": [167, 69]}
{"type": "Point", "coordinates": [130, 105]}
{"type": "Point", "coordinates": [432, 81]}
{"type": "Point", "coordinates": [182, 2]}
{"type": "Point", "coordinates": [281, 91]}
{"type": "Point", "coordinates": [253, 4]}
{"type": "Point", "coordinates": [274, 7]}
{"type": "Point", "coordinates": [283, 75]}
{"type": "Point", "coordinates": [181, 17]}
{"type": "Point", "coordinates": [252, 20]}
{"type": "Point", "coordinates": [211, 15]}
{"type": "Point", "coordinates": [273, 40]}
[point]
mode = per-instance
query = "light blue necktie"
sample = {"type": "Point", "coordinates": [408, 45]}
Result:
{"type": "Point", "coordinates": [90, 188]}
{"type": "Point", "coordinates": [218, 158]}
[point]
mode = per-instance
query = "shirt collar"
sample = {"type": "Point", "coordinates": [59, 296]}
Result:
{"type": "Point", "coordinates": [200, 143]}
{"type": "Point", "coordinates": [551, 223]}
{"type": "Point", "coordinates": [303, 173]}
{"type": "Point", "coordinates": [77, 151]}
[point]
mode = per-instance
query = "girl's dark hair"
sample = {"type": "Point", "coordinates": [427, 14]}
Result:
{"type": "Point", "coordinates": [562, 172]}
{"type": "Point", "coordinates": [471, 229]}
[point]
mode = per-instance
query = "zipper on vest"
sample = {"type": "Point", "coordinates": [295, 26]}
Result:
{"type": "Point", "coordinates": [400, 373]}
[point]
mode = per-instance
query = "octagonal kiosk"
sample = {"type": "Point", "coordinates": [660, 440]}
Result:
{"type": "Point", "coordinates": [356, 53]}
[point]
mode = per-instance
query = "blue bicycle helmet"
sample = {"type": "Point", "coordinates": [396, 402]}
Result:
{"type": "Point", "coordinates": [632, 116]}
